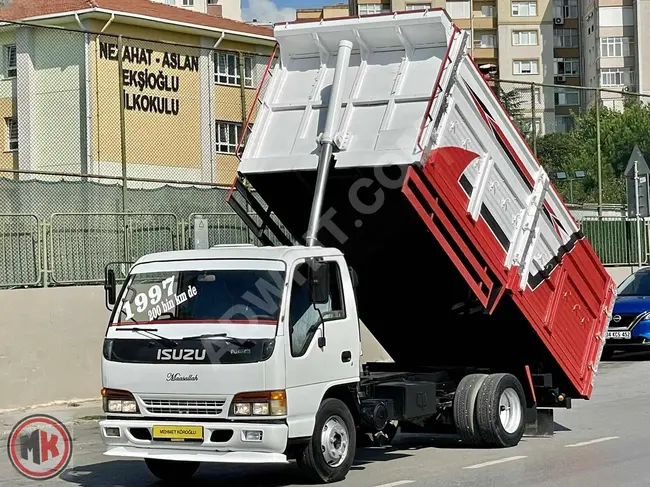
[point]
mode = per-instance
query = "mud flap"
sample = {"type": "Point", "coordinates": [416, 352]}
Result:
{"type": "Point", "coordinates": [539, 423]}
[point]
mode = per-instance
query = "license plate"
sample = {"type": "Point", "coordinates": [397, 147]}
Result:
{"type": "Point", "coordinates": [177, 433]}
{"type": "Point", "coordinates": [619, 334]}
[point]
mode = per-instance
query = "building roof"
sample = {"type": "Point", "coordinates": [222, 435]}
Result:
{"type": "Point", "coordinates": [23, 10]}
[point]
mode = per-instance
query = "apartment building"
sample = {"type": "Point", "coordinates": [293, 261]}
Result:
{"type": "Point", "coordinates": [522, 41]}
{"type": "Point", "coordinates": [229, 9]}
{"type": "Point", "coordinates": [613, 42]}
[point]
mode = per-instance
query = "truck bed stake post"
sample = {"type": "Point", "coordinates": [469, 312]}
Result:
{"type": "Point", "coordinates": [327, 140]}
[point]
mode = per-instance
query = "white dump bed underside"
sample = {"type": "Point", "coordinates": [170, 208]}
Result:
{"type": "Point", "coordinates": [393, 67]}
{"type": "Point", "coordinates": [392, 73]}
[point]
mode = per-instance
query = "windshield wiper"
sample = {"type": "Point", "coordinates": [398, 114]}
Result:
{"type": "Point", "coordinates": [225, 336]}
{"type": "Point", "coordinates": [165, 340]}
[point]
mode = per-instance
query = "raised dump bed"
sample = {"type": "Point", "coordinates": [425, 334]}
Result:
{"type": "Point", "coordinates": [465, 253]}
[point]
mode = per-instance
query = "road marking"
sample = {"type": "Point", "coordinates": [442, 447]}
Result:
{"type": "Point", "coordinates": [496, 462]}
{"type": "Point", "coordinates": [591, 442]}
{"type": "Point", "coordinates": [395, 484]}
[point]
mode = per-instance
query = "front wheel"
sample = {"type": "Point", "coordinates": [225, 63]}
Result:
{"type": "Point", "coordinates": [330, 452]}
{"type": "Point", "coordinates": [171, 471]}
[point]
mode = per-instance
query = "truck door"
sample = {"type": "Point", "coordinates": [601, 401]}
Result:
{"type": "Point", "coordinates": [312, 369]}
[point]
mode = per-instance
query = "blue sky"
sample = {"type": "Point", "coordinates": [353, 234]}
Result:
{"type": "Point", "coordinates": [277, 10]}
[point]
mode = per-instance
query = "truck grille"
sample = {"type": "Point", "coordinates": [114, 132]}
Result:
{"type": "Point", "coordinates": [625, 321]}
{"type": "Point", "coordinates": [184, 406]}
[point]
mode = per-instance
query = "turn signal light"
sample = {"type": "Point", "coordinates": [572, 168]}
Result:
{"type": "Point", "coordinates": [263, 403]}
{"type": "Point", "coordinates": [118, 401]}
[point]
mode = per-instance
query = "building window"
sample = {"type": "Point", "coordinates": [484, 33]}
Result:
{"type": "Point", "coordinates": [12, 133]}
{"type": "Point", "coordinates": [188, 3]}
{"type": "Point", "coordinates": [373, 8]}
{"type": "Point", "coordinates": [524, 9]}
{"type": "Point", "coordinates": [563, 123]}
{"type": "Point", "coordinates": [565, 38]}
{"type": "Point", "coordinates": [616, 46]}
{"type": "Point", "coordinates": [226, 69]}
{"type": "Point", "coordinates": [564, 97]}
{"type": "Point", "coordinates": [170, 2]}
{"type": "Point", "coordinates": [524, 38]}
{"type": "Point", "coordinates": [213, 2]}
{"type": "Point", "coordinates": [528, 127]}
{"type": "Point", "coordinates": [459, 9]}
{"type": "Point", "coordinates": [529, 66]}
{"type": "Point", "coordinates": [485, 39]}
{"type": "Point", "coordinates": [228, 134]}
{"type": "Point", "coordinates": [10, 61]}
{"type": "Point", "coordinates": [567, 9]}
{"type": "Point", "coordinates": [303, 313]}
{"type": "Point", "coordinates": [417, 6]}
{"type": "Point", "coordinates": [616, 77]}
{"type": "Point", "coordinates": [566, 66]}
{"type": "Point", "coordinates": [487, 11]}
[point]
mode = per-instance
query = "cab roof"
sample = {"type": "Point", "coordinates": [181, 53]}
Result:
{"type": "Point", "coordinates": [242, 251]}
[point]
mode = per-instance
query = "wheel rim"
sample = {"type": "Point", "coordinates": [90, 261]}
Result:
{"type": "Point", "coordinates": [334, 440]}
{"type": "Point", "coordinates": [510, 411]}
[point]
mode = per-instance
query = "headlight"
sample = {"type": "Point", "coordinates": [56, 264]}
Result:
{"type": "Point", "coordinates": [264, 403]}
{"type": "Point", "coordinates": [117, 401]}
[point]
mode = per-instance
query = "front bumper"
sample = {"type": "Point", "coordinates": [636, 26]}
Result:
{"type": "Point", "coordinates": [217, 446]}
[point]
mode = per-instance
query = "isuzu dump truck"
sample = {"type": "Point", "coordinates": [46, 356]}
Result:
{"type": "Point", "coordinates": [407, 200]}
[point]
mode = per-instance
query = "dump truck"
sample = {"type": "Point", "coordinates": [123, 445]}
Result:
{"type": "Point", "coordinates": [389, 188]}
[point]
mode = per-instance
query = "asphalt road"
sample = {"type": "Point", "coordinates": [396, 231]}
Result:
{"type": "Point", "coordinates": [602, 442]}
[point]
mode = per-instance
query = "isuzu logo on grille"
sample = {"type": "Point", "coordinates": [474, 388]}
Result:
{"type": "Point", "coordinates": [180, 354]}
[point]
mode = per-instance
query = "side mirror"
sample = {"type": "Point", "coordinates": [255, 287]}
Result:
{"type": "Point", "coordinates": [319, 281]}
{"type": "Point", "coordinates": [110, 286]}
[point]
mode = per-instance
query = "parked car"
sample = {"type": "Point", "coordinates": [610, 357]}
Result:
{"type": "Point", "coordinates": [629, 328]}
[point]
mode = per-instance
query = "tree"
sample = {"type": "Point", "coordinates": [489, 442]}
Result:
{"type": "Point", "coordinates": [620, 131]}
{"type": "Point", "coordinates": [512, 101]}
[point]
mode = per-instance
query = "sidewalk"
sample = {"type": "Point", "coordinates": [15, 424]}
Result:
{"type": "Point", "coordinates": [69, 414]}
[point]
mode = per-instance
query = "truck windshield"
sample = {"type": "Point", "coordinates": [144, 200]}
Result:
{"type": "Point", "coordinates": [207, 295]}
{"type": "Point", "coordinates": [636, 285]}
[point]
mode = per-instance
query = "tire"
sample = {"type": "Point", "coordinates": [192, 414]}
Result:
{"type": "Point", "coordinates": [171, 471]}
{"type": "Point", "coordinates": [500, 409]}
{"type": "Point", "coordinates": [334, 423]}
{"type": "Point", "coordinates": [464, 408]}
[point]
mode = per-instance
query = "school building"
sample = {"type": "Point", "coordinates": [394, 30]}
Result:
{"type": "Point", "coordinates": [188, 81]}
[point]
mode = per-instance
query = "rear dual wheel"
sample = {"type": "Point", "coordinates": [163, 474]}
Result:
{"type": "Point", "coordinates": [489, 410]}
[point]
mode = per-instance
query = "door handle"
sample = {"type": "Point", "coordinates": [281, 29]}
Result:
{"type": "Point", "coordinates": [346, 356]}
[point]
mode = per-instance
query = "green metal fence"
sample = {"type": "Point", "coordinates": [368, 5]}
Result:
{"type": "Point", "coordinates": [74, 248]}
{"type": "Point", "coordinates": [615, 239]}
{"type": "Point", "coordinates": [20, 250]}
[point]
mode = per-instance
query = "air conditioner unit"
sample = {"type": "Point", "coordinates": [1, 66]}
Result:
{"type": "Point", "coordinates": [558, 20]}
{"type": "Point", "coordinates": [560, 78]}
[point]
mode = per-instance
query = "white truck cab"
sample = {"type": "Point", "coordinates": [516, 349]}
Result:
{"type": "Point", "coordinates": [227, 355]}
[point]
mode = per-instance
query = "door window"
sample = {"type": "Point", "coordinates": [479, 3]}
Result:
{"type": "Point", "coordinates": [305, 316]}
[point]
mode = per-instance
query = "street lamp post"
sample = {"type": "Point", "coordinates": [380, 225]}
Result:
{"type": "Point", "coordinates": [562, 176]}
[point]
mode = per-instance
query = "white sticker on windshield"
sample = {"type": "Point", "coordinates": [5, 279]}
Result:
{"type": "Point", "coordinates": [158, 300]}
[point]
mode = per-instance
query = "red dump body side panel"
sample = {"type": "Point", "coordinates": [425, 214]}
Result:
{"type": "Point", "coordinates": [568, 309]}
